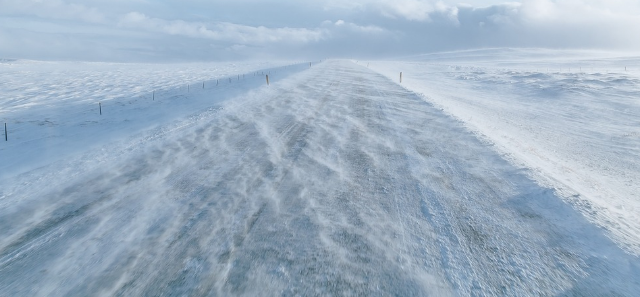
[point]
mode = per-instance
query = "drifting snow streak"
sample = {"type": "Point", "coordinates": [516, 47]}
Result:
{"type": "Point", "coordinates": [336, 182]}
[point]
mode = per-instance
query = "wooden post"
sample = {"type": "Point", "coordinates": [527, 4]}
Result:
{"type": "Point", "coordinates": [100, 106]}
{"type": "Point", "coordinates": [400, 77]}
{"type": "Point", "coordinates": [267, 79]}
{"type": "Point", "coordinates": [6, 138]}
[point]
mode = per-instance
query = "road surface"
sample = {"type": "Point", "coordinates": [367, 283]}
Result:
{"type": "Point", "coordinates": [335, 182]}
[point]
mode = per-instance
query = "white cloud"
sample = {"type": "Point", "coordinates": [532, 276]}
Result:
{"type": "Point", "coordinates": [193, 29]}
{"type": "Point", "coordinates": [341, 25]}
{"type": "Point", "coordinates": [413, 10]}
{"type": "Point", "coordinates": [55, 9]}
{"type": "Point", "coordinates": [221, 31]}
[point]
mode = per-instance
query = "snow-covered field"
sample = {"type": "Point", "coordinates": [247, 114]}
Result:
{"type": "Point", "coordinates": [52, 108]}
{"type": "Point", "coordinates": [333, 180]}
{"type": "Point", "coordinates": [572, 117]}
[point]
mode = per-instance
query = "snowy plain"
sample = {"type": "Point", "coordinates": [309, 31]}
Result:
{"type": "Point", "coordinates": [332, 180]}
{"type": "Point", "coordinates": [572, 117]}
{"type": "Point", "coordinates": [52, 108]}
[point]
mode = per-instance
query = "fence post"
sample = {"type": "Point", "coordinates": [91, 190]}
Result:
{"type": "Point", "coordinates": [6, 137]}
{"type": "Point", "coordinates": [267, 79]}
{"type": "Point", "coordinates": [100, 106]}
{"type": "Point", "coordinates": [400, 77]}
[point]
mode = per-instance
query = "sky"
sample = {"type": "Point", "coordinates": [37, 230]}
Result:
{"type": "Point", "coordinates": [220, 30]}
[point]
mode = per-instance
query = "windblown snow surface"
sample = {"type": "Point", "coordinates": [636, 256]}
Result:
{"type": "Point", "coordinates": [52, 108]}
{"type": "Point", "coordinates": [333, 180]}
{"type": "Point", "coordinates": [572, 117]}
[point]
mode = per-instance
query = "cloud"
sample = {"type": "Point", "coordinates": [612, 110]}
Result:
{"type": "Point", "coordinates": [563, 23]}
{"type": "Point", "coordinates": [220, 29]}
{"type": "Point", "coordinates": [54, 9]}
{"type": "Point", "coordinates": [412, 10]}
{"type": "Point", "coordinates": [341, 25]}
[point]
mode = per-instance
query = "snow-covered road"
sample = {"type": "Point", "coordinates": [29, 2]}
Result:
{"type": "Point", "coordinates": [333, 182]}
